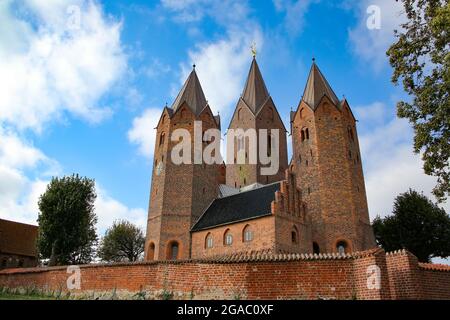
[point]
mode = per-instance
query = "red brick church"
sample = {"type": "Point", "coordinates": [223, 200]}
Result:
{"type": "Point", "coordinates": [315, 203]}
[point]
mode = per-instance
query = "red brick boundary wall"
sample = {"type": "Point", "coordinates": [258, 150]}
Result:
{"type": "Point", "coordinates": [256, 276]}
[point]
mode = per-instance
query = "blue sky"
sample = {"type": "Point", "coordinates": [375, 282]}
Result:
{"type": "Point", "coordinates": [83, 83]}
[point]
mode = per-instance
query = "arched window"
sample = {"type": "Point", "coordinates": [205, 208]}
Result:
{"type": "Point", "coordinates": [350, 133]}
{"type": "Point", "coordinates": [227, 238]}
{"type": "Point", "coordinates": [307, 134]}
{"type": "Point", "coordinates": [151, 251]}
{"type": "Point", "coordinates": [161, 138]}
{"type": "Point", "coordinates": [172, 253]}
{"type": "Point", "coordinates": [240, 114]}
{"type": "Point", "coordinates": [163, 119]}
{"type": "Point", "coordinates": [304, 209]}
{"type": "Point", "coordinates": [247, 234]}
{"type": "Point", "coordinates": [302, 135]}
{"type": "Point", "coordinates": [209, 241]}
{"type": "Point", "coordinates": [294, 235]}
{"type": "Point", "coordinates": [302, 113]}
{"type": "Point", "coordinates": [316, 248]}
{"type": "Point", "coordinates": [269, 144]}
{"type": "Point", "coordinates": [271, 114]}
{"type": "Point", "coordinates": [342, 247]}
{"type": "Point", "coordinates": [183, 113]}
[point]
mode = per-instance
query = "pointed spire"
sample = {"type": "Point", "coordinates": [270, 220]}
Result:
{"type": "Point", "coordinates": [255, 92]}
{"type": "Point", "coordinates": [192, 94]}
{"type": "Point", "coordinates": [316, 87]}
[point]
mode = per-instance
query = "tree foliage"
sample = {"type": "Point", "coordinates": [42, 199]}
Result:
{"type": "Point", "coordinates": [421, 59]}
{"type": "Point", "coordinates": [122, 242]}
{"type": "Point", "coordinates": [418, 225]}
{"type": "Point", "coordinates": [67, 221]}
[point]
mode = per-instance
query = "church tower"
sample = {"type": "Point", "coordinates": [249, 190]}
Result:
{"type": "Point", "coordinates": [179, 192]}
{"type": "Point", "coordinates": [255, 110]}
{"type": "Point", "coordinates": [327, 161]}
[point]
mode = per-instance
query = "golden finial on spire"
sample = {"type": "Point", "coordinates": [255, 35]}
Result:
{"type": "Point", "coordinates": [253, 47]}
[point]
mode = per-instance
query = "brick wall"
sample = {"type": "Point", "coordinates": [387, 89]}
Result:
{"type": "Point", "coordinates": [255, 276]}
{"type": "Point", "coordinates": [263, 238]}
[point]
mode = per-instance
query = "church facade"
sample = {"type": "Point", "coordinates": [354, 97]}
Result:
{"type": "Point", "coordinates": [315, 203]}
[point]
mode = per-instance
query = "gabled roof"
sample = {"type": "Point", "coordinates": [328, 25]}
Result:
{"type": "Point", "coordinates": [192, 94]}
{"type": "Point", "coordinates": [255, 92]}
{"type": "Point", "coordinates": [245, 205]}
{"type": "Point", "coordinates": [316, 87]}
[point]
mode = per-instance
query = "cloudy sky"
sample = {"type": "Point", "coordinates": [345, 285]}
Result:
{"type": "Point", "coordinates": [82, 84]}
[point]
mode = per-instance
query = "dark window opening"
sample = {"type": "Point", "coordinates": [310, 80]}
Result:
{"type": "Point", "coordinates": [316, 248]}
{"type": "Point", "coordinates": [341, 247]}
{"type": "Point", "coordinates": [173, 254]}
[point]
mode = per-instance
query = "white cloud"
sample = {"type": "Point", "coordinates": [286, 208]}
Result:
{"type": "Point", "coordinates": [49, 69]}
{"type": "Point", "coordinates": [390, 165]}
{"type": "Point", "coordinates": [223, 12]}
{"type": "Point", "coordinates": [19, 194]}
{"type": "Point", "coordinates": [222, 66]}
{"type": "Point", "coordinates": [109, 209]}
{"type": "Point", "coordinates": [371, 44]}
{"type": "Point", "coordinates": [143, 131]}
{"type": "Point", "coordinates": [295, 11]}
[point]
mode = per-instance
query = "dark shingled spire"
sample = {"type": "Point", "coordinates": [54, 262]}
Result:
{"type": "Point", "coordinates": [255, 92]}
{"type": "Point", "coordinates": [316, 87]}
{"type": "Point", "coordinates": [192, 94]}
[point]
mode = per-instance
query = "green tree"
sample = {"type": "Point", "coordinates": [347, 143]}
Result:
{"type": "Point", "coordinates": [421, 59]}
{"type": "Point", "coordinates": [122, 242]}
{"type": "Point", "coordinates": [418, 225]}
{"type": "Point", "coordinates": [67, 221]}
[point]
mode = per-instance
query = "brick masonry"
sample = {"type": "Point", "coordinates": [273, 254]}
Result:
{"type": "Point", "coordinates": [255, 276]}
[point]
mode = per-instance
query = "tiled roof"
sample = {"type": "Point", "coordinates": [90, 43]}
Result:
{"type": "Point", "coordinates": [255, 91]}
{"type": "Point", "coordinates": [18, 238]}
{"type": "Point", "coordinates": [316, 87]}
{"type": "Point", "coordinates": [192, 94]}
{"type": "Point", "coordinates": [241, 206]}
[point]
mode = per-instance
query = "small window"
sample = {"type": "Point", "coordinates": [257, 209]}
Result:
{"type": "Point", "coordinates": [151, 251]}
{"type": "Point", "coordinates": [161, 138]}
{"type": "Point", "coordinates": [209, 241]}
{"type": "Point", "coordinates": [316, 248]}
{"type": "Point", "coordinates": [341, 247]}
{"type": "Point", "coordinates": [269, 145]}
{"type": "Point", "coordinates": [302, 134]}
{"type": "Point", "coordinates": [350, 134]}
{"type": "Point", "coordinates": [239, 114]}
{"type": "Point", "coordinates": [271, 114]}
{"type": "Point", "coordinates": [228, 238]}
{"type": "Point", "coordinates": [247, 234]}
{"type": "Point", "coordinates": [173, 251]}
{"type": "Point", "coordinates": [294, 235]}
{"type": "Point", "coordinates": [302, 113]}
{"type": "Point", "coordinates": [307, 134]}
{"type": "Point", "coordinates": [163, 119]}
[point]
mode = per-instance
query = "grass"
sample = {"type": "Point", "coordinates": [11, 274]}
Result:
{"type": "Point", "coordinates": [9, 296]}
